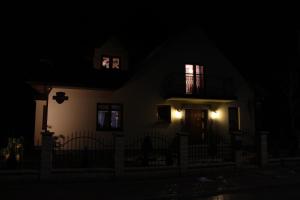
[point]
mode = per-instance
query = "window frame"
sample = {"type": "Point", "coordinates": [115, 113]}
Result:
{"type": "Point", "coordinates": [110, 105]}
{"type": "Point", "coordinates": [201, 77]}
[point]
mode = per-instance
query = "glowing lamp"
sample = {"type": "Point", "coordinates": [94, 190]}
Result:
{"type": "Point", "coordinates": [215, 115]}
{"type": "Point", "coordinates": [178, 114]}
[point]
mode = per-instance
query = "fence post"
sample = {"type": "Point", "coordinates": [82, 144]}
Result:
{"type": "Point", "coordinates": [119, 154]}
{"type": "Point", "coordinates": [237, 147]}
{"type": "Point", "coordinates": [183, 152]}
{"type": "Point", "coordinates": [46, 154]}
{"type": "Point", "coordinates": [263, 148]}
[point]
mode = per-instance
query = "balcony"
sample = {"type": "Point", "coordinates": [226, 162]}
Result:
{"type": "Point", "coordinates": [175, 86]}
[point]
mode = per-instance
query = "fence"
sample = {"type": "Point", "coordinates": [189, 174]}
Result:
{"type": "Point", "coordinates": [83, 150]}
{"type": "Point", "coordinates": [151, 150]}
{"type": "Point", "coordinates": [118, 155]}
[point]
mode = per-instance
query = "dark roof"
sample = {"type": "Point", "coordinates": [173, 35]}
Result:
{"type": "Point", "coordinates": [76, 74]}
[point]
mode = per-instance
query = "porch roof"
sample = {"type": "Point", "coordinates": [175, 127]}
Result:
{"type": "Point", "coordinates": [191, 100]}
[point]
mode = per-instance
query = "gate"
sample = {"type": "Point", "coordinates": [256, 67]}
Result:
{"type": "Point", "coordinates": [151, 150]}
{"type": "Point", "coordinates": [83, 150]}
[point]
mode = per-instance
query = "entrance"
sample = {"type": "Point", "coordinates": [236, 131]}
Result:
{"type": "Point", "coordinates": [196, 125]}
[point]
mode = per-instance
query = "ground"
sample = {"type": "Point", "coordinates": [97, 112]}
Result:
{"type": "Point", "coordinates": [237, 183]}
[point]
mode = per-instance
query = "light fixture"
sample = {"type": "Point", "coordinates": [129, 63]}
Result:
{"type": "Point", "coordinates": [178, 114]}
{"type": "Point", "coordinates": [215, 114]}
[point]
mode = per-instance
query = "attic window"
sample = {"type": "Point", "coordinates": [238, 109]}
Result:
{"type": "Point", "coordinates": [110, 62]}
{"type": "Point", "coordinates": [105, 62]}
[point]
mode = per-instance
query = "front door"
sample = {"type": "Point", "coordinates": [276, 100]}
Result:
{"type": "Point", "coordinates": [196, 124]}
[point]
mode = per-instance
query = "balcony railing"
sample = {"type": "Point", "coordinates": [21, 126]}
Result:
{"type": "Point", "coordinates": [176, 85]}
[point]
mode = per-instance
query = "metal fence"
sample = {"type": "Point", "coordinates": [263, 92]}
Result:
{"type": "Point", "coordinates": [151, 150]}
{"type": "Point", "coordinates": [83, 150]}
{"type": "Point", "coordinates": [212, 148]}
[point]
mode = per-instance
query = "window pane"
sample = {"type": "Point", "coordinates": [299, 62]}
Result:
{"type": "Point", "coordinates": [197, 69]}
{"type": "Point", "coordinates": [116, 63]}
{"type": "Point", "coordinates": [233, 118]}
{"type": "Point", "coordinates": [103, 119]}
{"type": "Point", "coordinates": [189, 69]}
{"type": "Point", "coordinates": [164, 113]}
{"type": "Point", "coordinates": [189, 83]}
{"type": "Point", "coordinates": [189, 79]}
{"type": "Point", "coordinates": [115, 119]}
{"type": "Point", "coordinates": [201, 70]}
{"type": "Point", "coordinates": [105, 62]}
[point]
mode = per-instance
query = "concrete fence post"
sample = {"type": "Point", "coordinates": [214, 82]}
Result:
{"type": "Point", "coordinates": [119, 154]}
{"type": "Point", "coordinates": [46, 154]}
{"type": "Point", "coordinates": [263, 148]}
{"type": "Point", "coordinates": [183, 152]}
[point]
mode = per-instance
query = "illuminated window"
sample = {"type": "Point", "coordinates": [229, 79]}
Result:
{"type": "Point", "coordinates": [116, 63]}
{"type": "Point", "coordinates": [109, 116]}
{"type": "Point", "coordinates": [109, 62]}
{"type": "Point", "coordinates": [194, 79]}
{"type": "Point", "coordinates": [105, 62]}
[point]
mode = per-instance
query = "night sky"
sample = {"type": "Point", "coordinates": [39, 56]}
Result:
{"type": "Point", "coordinates": [260, 42]}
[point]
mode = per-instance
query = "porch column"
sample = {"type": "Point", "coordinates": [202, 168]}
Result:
{"type": "Point", "coordinates": [119, 154]}
{"type": "Point", "coordinates": [46, 154]}
{"type": "Point", "coordinates": [183, 152]}
{"type": "Point", "coordinates": [263, 148]}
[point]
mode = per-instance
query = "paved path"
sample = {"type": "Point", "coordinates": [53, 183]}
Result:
{"type": "Point", "coordinates": [207, 183]}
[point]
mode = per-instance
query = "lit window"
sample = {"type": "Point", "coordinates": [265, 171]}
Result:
{"type": "Point", "coordinates": [105, 62]}
{"type": "Point", "coordinates": [109, 116]}
{"type": "Point", "coordinates": [109, 62]}
{"type": "Point", "coordinates": [194, 79]}
{"type": "Point", "coordinates": [116, 63]}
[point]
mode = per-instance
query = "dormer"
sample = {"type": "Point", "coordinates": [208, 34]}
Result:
{"type": "Point", "coordinates": [111, 56]}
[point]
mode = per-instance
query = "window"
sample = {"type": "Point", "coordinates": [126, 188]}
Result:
{"type": "Point", "coordinates": [164, 113]}
{"type": "Point", "coordinates": [234, 118]}
{"type": "Point", "coordinates": [109, 116]}
{"type": "Point", "coordinates": [109, 62]}
{"type": "Point", "coordinates": [194, 79]}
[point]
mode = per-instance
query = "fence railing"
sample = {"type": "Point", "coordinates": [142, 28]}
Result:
{"type": "Point", "coordinates": [212, 148]}
{"type": "Point", "coordinates": [151, 150]}
{"type": "Point", "coordinates": [82, 150]}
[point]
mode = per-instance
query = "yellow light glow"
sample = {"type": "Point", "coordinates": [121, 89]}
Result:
{"type": "Point", "coordinates": [215, 114]}
{"type": "Point", "coordinates": [178, 114]}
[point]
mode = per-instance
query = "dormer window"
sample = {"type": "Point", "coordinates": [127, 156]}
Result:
{"type": "Point", "coordinates": [105, 62]}
{"type": "Point", "coordinates": [194, 79]}
{"type": "Point", "coordinates": [110, 62]}
{"type": "Point", "coordinates": [116, 63]}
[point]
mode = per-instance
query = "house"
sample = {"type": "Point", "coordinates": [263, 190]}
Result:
{"type": "Point", "coordinates": [184, 85]}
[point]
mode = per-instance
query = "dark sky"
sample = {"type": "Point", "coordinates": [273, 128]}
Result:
{"type": "Point", "coordinates": [248, 37]}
